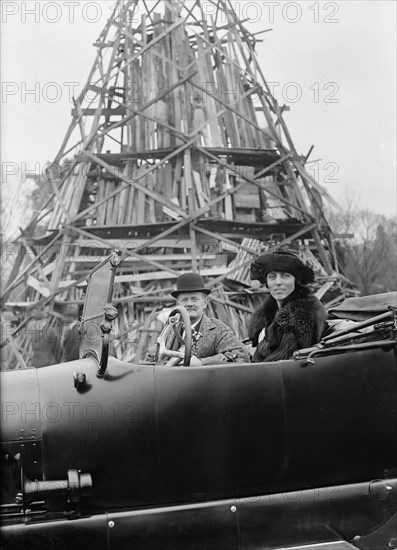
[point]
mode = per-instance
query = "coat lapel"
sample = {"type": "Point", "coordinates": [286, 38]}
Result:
{"type": "Point", "coordinates": [206, 342]}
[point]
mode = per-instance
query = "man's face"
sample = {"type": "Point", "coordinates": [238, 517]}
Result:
{"type": "Point", "coordinates": [194, 302]}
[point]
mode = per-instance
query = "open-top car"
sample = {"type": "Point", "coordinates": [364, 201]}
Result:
{"type": "Point", "coordinates": [100, 453]}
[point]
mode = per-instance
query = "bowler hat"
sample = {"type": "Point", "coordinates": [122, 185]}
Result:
{"type": "Point", "coordinates": [189, 282]}
{"type": "Point", "coordinates": [281, 261]}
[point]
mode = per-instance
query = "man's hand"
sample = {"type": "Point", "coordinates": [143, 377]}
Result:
{"type": "Point", "coordinates": [231, 356]}
{"type": "Point", "coordinates": [195, 361]}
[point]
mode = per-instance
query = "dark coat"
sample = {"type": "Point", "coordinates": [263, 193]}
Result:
{"type": "Point", "coordinates": [216, 340]}
{"type": "Point", "coordinates": [298, 324]}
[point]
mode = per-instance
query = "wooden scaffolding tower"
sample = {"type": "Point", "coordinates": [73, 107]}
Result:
{"type": "Point", "coordinates": [178, 155]}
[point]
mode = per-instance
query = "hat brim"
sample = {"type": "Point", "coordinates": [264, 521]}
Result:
{"type": "Point", "coordinates": [175, 293]}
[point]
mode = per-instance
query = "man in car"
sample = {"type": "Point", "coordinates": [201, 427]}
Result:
{"type": "Point", "coordinates": [213, 341]}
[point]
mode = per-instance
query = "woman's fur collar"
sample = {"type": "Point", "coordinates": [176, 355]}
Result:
{"type": "Point", "coordinates": [266, 312]}
{"type": "Point", "coordinates": [299, 323]}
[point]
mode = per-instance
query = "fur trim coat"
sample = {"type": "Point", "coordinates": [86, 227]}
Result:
{"type": "Point", "coordinates": [298, 324]}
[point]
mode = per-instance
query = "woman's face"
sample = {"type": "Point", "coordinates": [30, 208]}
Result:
{"type": "Point", "coordinates": [280, 284]}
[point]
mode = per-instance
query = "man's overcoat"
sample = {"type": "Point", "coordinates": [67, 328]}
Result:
{"type": "Point", "coordinates": [214, 340]}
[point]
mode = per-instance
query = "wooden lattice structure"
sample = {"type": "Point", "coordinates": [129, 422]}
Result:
{"type": "Point", "coordinates": [178, 155]}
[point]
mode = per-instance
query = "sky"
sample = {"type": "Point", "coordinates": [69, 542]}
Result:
{"type": "Point", "coordinates": [332, 63]}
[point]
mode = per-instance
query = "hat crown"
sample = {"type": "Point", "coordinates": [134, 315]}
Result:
{"type": "Point", "coordinates": [282, 260]}
{"type": "Point", "coordinates": [190, 282]}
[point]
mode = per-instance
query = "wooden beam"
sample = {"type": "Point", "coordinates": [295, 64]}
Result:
{"type": "Point", "coordinates": [30, 268]}
{"type": "Point", "coordinates": [14, 347]}
{"type": "Point", "coordinates": [222, 238]}
{"type": "Point", "coordinates": [134, 183]}
{"type": "Point", "coordinates": [230, 303]}
{"type": "Point", "coordinates": [124, 253]}
{"type": "Point", "coordinates": [139, 111]}
{"type": "Point", "coordinates": [115, 111]}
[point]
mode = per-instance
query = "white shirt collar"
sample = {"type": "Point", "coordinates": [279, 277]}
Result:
{"type": "Point", "coordinates": [194, 325]}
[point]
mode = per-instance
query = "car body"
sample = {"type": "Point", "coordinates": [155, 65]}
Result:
{"type": "Point", "coordinates": [290, 454]}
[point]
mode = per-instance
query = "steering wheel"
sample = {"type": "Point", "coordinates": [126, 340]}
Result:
{"type": "Point", "coordinates": [173, 319]}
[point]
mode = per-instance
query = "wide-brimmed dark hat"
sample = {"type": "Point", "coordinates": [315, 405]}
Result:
{"type": "Point", "coordinates": [281, 261]}
{"type": "Point", "coordinates": [189, 282]}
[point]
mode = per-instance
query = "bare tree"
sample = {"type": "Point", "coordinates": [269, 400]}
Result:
{"type": "Point", "coordinates": [366, 245]}
{"type": "Point", "coordinates": [15, 210]}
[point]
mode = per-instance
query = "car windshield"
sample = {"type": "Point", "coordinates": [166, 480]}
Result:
{"type": "Point", "coordinates": [99, 293]}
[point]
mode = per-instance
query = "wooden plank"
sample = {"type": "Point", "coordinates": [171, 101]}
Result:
{"type": "Point", "coordinates": [245, 216]}
{"type": "Point", "coordinates": [134, 124]}
{"type": "Point", "coordinates": [129, 174]}
{"type": "Point", "coordinates": [77, 106]}
{"type": "Point", "coordinates": [107, 197]}
{"type": "Point", "coordinates": [221, 238]}
{"type": "Point", "coordinates": [320, 293]}
{"type": "Point", "coordinates": [160, 62]}
{"type": "Point", "coordinates": [66, 191]}
{"type": "Point", "coordinates": [20, 360]}
{"type": "Point", "coordinates": [166, 159]}
{"type": "Point", "coordinates": [228, 199]}
{"type": "Point", "coordinates": [241, 200]}
{"type": "Point", "coordinates": [30, 268]}
{"type": "Point", "coordinates": [190, 218]}
{"type": "Point", "coordinates": [140, 207]}
{"type": "Point", "coordinates": [159, 276]}
{"type": "Point", "coordinates": [228, 93]}
{"type": "Point", "coordinates": [59, 264]}
{"type": "Point", "coordinates": [133, 242]}
{"type": "Point", "coordinates": [151, 128]}
{"type": "Point", "coordinates": [177, 176]}
{"type": "Point", "coordinates": [176, 111]}
{"type": "Point", "coordinates": [158, 208]}
{"type": "Point", "coordinates": [192, 233]}
{"type": "Point", "coordinates": [139, 111]}
{"type": "Point", "coordinates": [202, 199]}
{"type": "Point", "coordinates": [78, 188]}
{"type": "Point", "coordinates": [187, 178]}
{"type": "Point", "coordinates": [209, 103]}
{"type": "Point", "coordinates": [134, 252]}
{"type": "Point", "coordinates": [81, 259]}
{"type": "Point", "coordinates": [135, 183]}
{"type": "Point", "coordinates": [116, 206]}
{"type": "Point", "coordinates": [115, 111]}
{"type": "Point", "coordinates": [124, 201]}
{"type": "Point", "coordinates": [100, 214]}
{"type": "Point", "coordinates": [151, 212]}
{"type": "Point", "coordinates": [267, 169]}
{"type": "Point", "coordinates": [182, 193]}
{"type": "Point", "coordinates": [142, 344]}
{"type": "Point", "coordinates": [226, 106]}
{"type": "Point", "coordinates": [230, 303]}
{"type": "Point", "coordinates": [169, 212]}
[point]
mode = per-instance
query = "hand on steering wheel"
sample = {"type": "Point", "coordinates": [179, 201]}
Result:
{"type": "Point", "coordinates": [186, 343]}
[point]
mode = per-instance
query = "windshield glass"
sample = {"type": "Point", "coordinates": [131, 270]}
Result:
{"type": "Point", "coordinates": [99, 293]}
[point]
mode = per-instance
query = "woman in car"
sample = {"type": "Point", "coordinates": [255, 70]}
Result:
{"type": "Point", "coordinates": [291, 317]}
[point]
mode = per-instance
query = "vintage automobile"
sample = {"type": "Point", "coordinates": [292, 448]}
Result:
{"type": "Point", "coordinates": [297, 454]}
